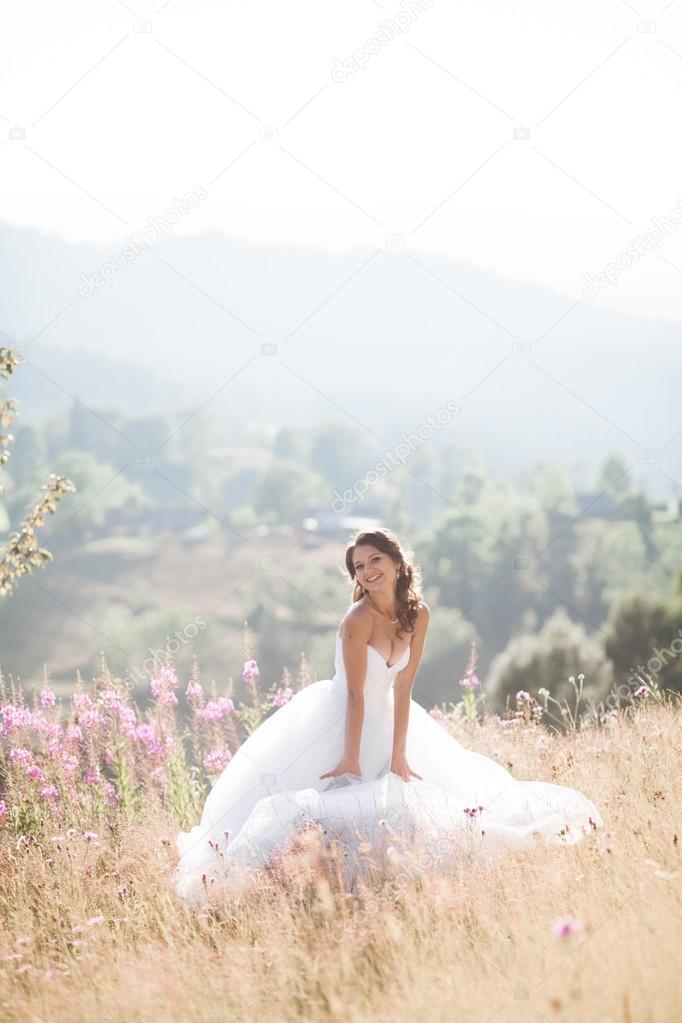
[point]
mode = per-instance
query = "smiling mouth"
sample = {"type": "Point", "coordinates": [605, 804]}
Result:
{"type": "Point", "coordinates": [374, 579]}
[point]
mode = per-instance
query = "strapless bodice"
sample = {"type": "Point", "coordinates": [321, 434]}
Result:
{"type": "Point", "coordinates": [380, 675]}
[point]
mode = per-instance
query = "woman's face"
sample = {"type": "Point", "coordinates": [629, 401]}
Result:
{"type": "Point", "coordinates": [374, 570]}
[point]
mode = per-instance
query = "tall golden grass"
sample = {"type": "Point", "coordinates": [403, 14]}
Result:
{"type": "Point", "coordinates": [91, 928]}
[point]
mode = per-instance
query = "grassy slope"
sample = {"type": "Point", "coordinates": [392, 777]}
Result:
{"type": "Point", "coordinates": [474, 947]}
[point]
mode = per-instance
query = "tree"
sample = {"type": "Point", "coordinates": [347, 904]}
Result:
{"type": "Point", "coordinates": [646, 634]}
{"type": "Point", "coordinates": [285, 491]}
{"type": "Point", "coordinates": [338, 454]}
{"type": "Point", "coordinates": [552, 487]}
{"type": "Point", "coordinates": [615, 477]}
{"type": "Point", "coordinates": [22, 552]}
{"type": "Point", "coordinates": [561, 649]}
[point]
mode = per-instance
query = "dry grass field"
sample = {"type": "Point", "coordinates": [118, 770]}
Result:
{"type": "Point", "coordinates": [90, 928]}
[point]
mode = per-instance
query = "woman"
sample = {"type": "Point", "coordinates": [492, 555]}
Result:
{"type": "Point", "coordinates": [356, 755]}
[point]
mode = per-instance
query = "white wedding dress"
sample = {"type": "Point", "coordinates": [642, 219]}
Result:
{"type": "Point", "coordinates": [271, 789]}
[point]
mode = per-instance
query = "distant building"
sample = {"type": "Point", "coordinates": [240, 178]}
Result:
{"type": "Point", "coordinates": [666, 510]}
{"type": "Point", "coordinates": [325, 524]}
{"type": "Point", "coordinates": [597, 506]}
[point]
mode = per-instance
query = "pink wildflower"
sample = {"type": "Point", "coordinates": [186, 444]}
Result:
{"type": "Point", "coordinates": [3, 809]}
{"type": "Point", "coordinates": [21, 755]}
{"type": "Point", "coordinates": [110, 793]}
{"type": "Point", "coordinates": [151, 740]}
{"type": "Point", "coordinates": [162, 685]}
{"type": "Point", "coordinates": [127, 719]}
{"type": "Point", "coordinates": [47, 698]}
{"type": "Point", "coordinates": [110, 700]}
{"type": "Point", "coordinates": [91, 718]}
{"type": "Point", "coordinates": [250, 671]}
{"type": "Point", "coordinates": [565, 926]}
{"type": "Point", "coordinates": [49, 792]}
{"type": "Point", "coordinates": [35, 773]}
{"type": "Point", "coordinates": [194, 691]}
{"type": "Point", "coordinates": [73, 735]}
{"type": "Point", "coordinates": [91, 775]}
{"type": "Point", "coordinates": [282, 696]}
{"type": "Point", "coordinates": [216, 760]}
{"type": "Point", "coordinates": [216, 709]}
{"type": "Point", "coordinates": [470, 680]}
{"type": "Point", "coordinates": [14, 718]}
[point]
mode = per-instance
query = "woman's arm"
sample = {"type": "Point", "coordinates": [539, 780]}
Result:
{"type": "Point", "coordinates": [357, 630]}
{"type": "Point", "coordinates": [402, 694]}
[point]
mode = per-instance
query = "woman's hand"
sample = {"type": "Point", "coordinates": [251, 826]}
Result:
{"type": "Point", "coordinates": [400, 766]}
{"type": "Point", "coordinates": [345, 767]}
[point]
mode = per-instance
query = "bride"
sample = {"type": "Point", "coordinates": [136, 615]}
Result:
{"type": "Point", "coordinates": [356, 755]}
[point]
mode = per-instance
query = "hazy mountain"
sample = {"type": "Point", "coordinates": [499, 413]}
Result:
{"type": "Point", "coordinates": [383, 344]}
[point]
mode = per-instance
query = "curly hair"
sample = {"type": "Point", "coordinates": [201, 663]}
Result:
{"type": "Point", "coordinates": [408, 583]}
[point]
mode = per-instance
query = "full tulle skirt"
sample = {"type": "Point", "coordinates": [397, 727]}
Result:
{"type": "Point", "coordinates": [464, 804]}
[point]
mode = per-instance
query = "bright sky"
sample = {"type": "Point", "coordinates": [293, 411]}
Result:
{"type": "Point", "coordinates": [112, 110]}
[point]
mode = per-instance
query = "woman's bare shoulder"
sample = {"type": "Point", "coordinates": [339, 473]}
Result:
{"type": "Point", "coordinates": [423, 615]}
{"type": "Point", "coordinates": [357, 620]}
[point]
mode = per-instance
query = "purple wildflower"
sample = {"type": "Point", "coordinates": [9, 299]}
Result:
{"type": "Point", "coordinates": [47, 698]}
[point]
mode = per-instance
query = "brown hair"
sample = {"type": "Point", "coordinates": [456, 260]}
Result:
{"type": "Point", "coordinates": [408, 583]}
